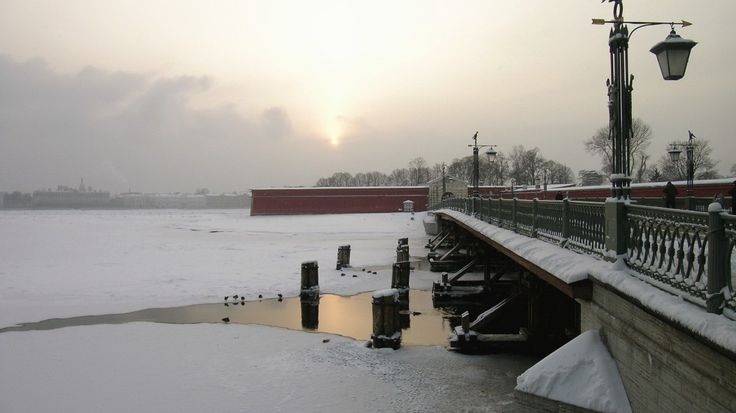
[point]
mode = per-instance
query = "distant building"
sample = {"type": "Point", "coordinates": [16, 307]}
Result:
{"type": "Point", "coordinates": [70, 199]}
{"type": "Point", "coordinates": [227, 201]}
{"type": "Point", "coordinates": [336, 200]}
{"type": "Point", "coordinates": [137, 200]}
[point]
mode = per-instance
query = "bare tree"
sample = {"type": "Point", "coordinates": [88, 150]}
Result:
{"type": "Point", "coordinates": [399, 177]}
{"type": "Point", "coordinates": [525, 164]}
{"type": "Point", "coordinates": [375, 178]}
{"type": "Point", "coordinates": [601, 145]}
{"type": "Point", "coordinates": [703, 163]}
{"type": "Point", "coordinates": [641, 167]}
{"type": "Point", "coordinates": [419, 171]}
{"type": "Point", "coordinates": [558, 173]}
{"type": "Point", "coordinates": [655, 175]}
{"type": "Point", "coordinates": [461, 168]}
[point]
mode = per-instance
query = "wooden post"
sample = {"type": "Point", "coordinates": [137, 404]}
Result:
{"type": "Point", "coordinates": [465, 322]}
{"type": "Point", "coordinates": [386, 323]}
{"type": "Point", "coordinates": [310, 280]}
{"type": "Point", "coordinates": [310, 313]}
{"type": "Point", "coordinates": [402, 253]}
{"type": "Point", "coordinates": [404, 313]}
{"type": "Point", "coordinates": [400, 276]}
{"type": "Point", "coordinates": [343, 257]}
{"type": "Point", "coordinates": [402, 250]}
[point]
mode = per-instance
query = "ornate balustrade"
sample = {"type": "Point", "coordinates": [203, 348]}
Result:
{"type": "Point", "coordinates": [587, 226]}
{"type": "Point", "coordinates": [550, 220]}
{"type": "Point", "coordinates": [687, 253]}
{"type": "Point", "coordinates": [729, 224]}
{"type": "Point", "coordinates": [670, 246]}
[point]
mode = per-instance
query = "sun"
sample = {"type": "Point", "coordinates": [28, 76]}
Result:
{"type": "Point", "coordinates": [334, 140]}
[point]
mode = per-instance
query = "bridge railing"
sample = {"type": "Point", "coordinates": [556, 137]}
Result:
{"type": "Point", "coordinates": [687, 253]}
{"type": "Point", "coordinates": [573, 224]}
{"type": "Point", "coordinates": [669, 246]}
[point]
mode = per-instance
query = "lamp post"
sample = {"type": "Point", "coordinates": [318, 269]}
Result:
{"type": "Point", "coordinates": [675, 151]}
{"type": "Point", "coordinates": [444, 182]}
{"type": "Point", "coordinates": [672, 54]}
{"type": "Point", "coordinates": [491, 153]}
{"type": "Point", "coordinates": [545, 171]}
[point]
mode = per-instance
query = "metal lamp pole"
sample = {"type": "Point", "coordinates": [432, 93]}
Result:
{"type": "Point", "coordinates": [672, 55]}
{"type": "Point", "coordinates": [690, 165]}
{"type": "Point", "coordinates": [476, 163]}
{"type": "Point", "coordinates": [674, 151]}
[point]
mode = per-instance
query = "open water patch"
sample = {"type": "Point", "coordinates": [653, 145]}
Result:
{"type": "Point", "coordinates": [350, 316]}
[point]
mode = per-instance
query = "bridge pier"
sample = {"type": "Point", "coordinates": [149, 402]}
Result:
{"type": "Point", "coordinates": [517, 309]}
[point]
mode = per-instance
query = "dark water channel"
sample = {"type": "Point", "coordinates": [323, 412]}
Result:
{"type": "Point", "coordinates": [349, 316]}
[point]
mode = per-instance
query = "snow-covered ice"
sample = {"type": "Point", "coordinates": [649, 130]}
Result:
{"type": "Point", "coordinates": [143, 367]}
{"type": "Point", "coordinates": [71, 263]}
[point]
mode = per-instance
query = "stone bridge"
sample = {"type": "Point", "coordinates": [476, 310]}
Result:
{"type": "Point", "coordinates": [655, 283]}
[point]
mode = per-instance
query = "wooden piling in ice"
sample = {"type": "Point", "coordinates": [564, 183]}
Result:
{"type": "Point", "coordinates": [400, 276]}
{"type": "Point", "coordinates": [465, 322]}
{"type": "Point", "coordinates": [386, 322]}
{"type": "Point", "coordinates": [343, 257]}
{"type": "Point", "coordinates": [310, 313]}
{"type": "Point", "coordinates": [310, 280]}
{"type": "Point", "coordinates": [404, 313]}
{"type": "Point", "coordinates": [402, 250]}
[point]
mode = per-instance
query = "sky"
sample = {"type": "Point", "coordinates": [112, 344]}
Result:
{"type": "Point", "coordinates": [166, 96]}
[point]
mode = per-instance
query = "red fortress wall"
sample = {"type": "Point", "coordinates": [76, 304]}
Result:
{"type": "Point", "coordinates": [294, 201]}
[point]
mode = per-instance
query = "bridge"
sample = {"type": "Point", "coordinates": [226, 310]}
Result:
{"type": "Point", "coordinates": [656, 283]}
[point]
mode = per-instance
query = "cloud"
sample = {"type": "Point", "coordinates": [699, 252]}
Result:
{"type": "Point", "coordinates": [123, 129]}
{"type": "Point", "coordinates": [276, 123]}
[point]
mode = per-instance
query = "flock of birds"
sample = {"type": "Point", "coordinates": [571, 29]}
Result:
{"type": "Point", "coordinates": [235, 301]}
{"type": "Point", "coordinates": [342, 274]}
{"type": "Point", "coordinates": [240, 299]}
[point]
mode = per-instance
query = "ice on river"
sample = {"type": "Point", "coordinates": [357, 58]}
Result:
{"type": "Point", "coordinates": [71, 263]}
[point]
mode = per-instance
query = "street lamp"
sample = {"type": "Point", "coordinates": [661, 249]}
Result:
{"type": "Point", "coordinates": [545, 172]}
{"type": "Point", "coordinates": [675, 151]}
{"type": "Point", "coordinates": [491, 153]}
{"type": "Point", "coordinates": [673, 54]}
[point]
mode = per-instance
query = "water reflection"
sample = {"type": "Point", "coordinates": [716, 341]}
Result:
{"type": "Point", "coordinates": [348, 316]}
{"type": "Point", "coordinates": [310, 313]}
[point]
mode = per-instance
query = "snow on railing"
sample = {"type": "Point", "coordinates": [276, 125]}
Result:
{"type": "Point", "coordinates": [687, 253]}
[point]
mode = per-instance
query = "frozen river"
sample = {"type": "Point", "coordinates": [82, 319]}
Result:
{"type": "Point", "coordinates": [59, 264]}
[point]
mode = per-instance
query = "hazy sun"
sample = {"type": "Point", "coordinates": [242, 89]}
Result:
{"type": "Point", "coordinates": [334, 140]}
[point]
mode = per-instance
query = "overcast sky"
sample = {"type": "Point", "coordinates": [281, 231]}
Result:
{"type": "Point", "coordinates": [231, 95]}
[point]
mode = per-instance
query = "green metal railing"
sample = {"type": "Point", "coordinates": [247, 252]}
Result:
{"type": "Point", "coordinates": [573, 224]}
{"type": "Point", "coordinates": [729, 224]}
{"type": "Point", "coordinates": [687, 253]}
{"type": "Point", "coordinates": [670, 246]}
